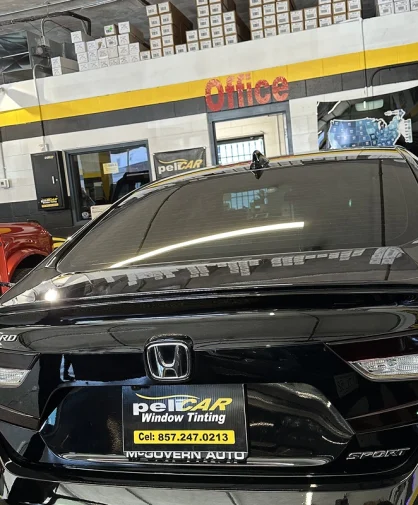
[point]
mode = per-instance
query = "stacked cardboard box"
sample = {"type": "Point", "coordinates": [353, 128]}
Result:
{"type": "Point", "coordinates": [270, 17]}
{"type": "Point", "coordinates": [311, 18]}
{"type": "Point", "coordinates": [325, 12]}
{"type": "Point", "coordinates": [82, 42]}
{"type": "Point", "coordinates": [100, 48]}
{"type": "Point", "coordinates": [168, 27]}
{"type": "Point", "coordinates": [338, 11]}
{"type": "Point", "coordinates": [130, 43]}
{"type": "Point", "coordinates": [283, 18]}
{"type": "Point", "coordinates": [218, 25]}
{"type": "Point", "coordinates": [107, 48]}
{"type": "Point", "coordinates": [257, 19]}
{"type": "Point", "coordinates": [386, 7]}
{"type": "Point", "coordinates": [349, 10]}
{"type": "Point", "coordinates": [234, 28]}
{"type": "Point", "coordinates": [297, 21]}
{"type": "Point", "coordinates": [275, 17]}
{"type": "Point", "coordinates": [61, 66]}
{"type": "Point", "coordinates": [121, 44]}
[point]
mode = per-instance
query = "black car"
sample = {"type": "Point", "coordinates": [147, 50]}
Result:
{"type": "Point", "coordinates": [239, 335]}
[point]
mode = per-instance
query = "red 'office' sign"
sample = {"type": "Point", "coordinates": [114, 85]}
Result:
{"type": "Point", "coordinates": [247, 96]}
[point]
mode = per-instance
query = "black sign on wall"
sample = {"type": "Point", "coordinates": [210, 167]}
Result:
{"type": "Point", "coordinates": [178, 162]}
{"type": "Point", "coordinates": [48, 172]}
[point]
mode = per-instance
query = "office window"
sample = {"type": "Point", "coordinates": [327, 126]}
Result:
{"type": "Point", "coordinates": [103, 177]}
{"type": "Point", "coordinates": [239, 150]}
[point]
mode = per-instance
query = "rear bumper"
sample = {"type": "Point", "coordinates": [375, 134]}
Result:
{"type": "Point", "coordinates": [19, 490]}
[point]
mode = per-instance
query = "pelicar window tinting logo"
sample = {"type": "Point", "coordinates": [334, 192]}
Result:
{"type": "Point", "coordinates": [185, 422]}
{"type": "Point", "coordinates": [176, 162]}
{"type": "Point", "coordinates": [178, 407]}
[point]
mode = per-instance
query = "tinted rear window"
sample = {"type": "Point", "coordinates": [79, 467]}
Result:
{"type": "Point", "coordinates": [321, 206]}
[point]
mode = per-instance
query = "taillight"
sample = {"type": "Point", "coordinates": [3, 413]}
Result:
{"type": "Point", "coordinates": [14, 367]}
{"type": "Point", "coordinates": [390, 368]}
{"type": "Point", "coordinates": [382, 359]}
{"type": "Point", "coordinates": [10, 377]}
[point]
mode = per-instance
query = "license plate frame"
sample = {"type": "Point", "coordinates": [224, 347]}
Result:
{"type": "Point", "coordinates": [185, 423]}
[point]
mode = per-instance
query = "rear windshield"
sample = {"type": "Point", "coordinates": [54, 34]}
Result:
{"type": "Point", "coordinates": [315, 207]}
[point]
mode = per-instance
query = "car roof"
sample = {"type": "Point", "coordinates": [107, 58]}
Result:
{"type": "Point", "coordinates": [287, 161]}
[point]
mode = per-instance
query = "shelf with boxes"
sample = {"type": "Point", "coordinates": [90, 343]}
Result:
{"type": "Point", "coordinates": [168, 27]}
{"type": "Point", "coordinates": [387, 7]}
{"type": "Point", "coordinates": [122, 43]}
{"type": "Point", "coordinates": [269, 18]}
{"type": "Point", "coordinates": [218, 24]}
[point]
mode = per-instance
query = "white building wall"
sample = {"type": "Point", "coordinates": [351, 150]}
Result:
{"type": "Point", "coordinates": [275, 52]}
{"type": "Point", "coordinates": [163, 135]}
{"type": "Point", "coordinates": [192, 131]}
{"type": "Point", "coordinates": [168, 134]}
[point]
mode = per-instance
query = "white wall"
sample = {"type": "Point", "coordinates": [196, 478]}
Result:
{"type": "Point", "coordinates": [276, 52]}
{"type": "Point", "coordinates": [164, 135]}
{"type": "Point", "coordinates": [171, 134]}
{"type": "Point", "coordinates": [252, 56]}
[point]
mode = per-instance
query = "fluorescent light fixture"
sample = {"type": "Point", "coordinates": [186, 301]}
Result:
{"type": "Point", "coordinates": [369, 105]}
{"type": "Point", "coordinates": [212, 238]}
{"type": "Point", "coordinates": [392, 368]}
{"type": "Point", "coordinates": [10, 377]}
{"type": "Point", "coordinates": [96, 3]}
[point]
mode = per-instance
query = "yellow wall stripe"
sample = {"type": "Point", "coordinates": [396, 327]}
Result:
{"type": "Point", "coordinates": [174, 92]}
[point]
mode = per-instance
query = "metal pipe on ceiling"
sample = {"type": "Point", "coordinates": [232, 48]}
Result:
{"type": "Point", "coordinates": [98, 3]}
{"type": "Point", "coordinates": [49, 20]}
{"type": "Point", "coordinates": [72, 14]}
{"type": "Point", "coordinates": [48, 5]}
{"type": "Point", "coordinates": [28, 9]}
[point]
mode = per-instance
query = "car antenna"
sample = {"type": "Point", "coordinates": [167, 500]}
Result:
{"type": "Point", "coordinates": [258, 164]}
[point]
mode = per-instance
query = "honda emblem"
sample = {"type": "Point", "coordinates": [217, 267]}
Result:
{"type": "Point", "coordinates": [168, 361]}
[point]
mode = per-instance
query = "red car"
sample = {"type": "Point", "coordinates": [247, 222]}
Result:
{"type": "Point", "coordinates": [22, 247]}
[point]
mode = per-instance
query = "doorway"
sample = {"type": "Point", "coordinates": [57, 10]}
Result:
{"type": "Point", "coordinates": [101, 176]}
{"type": "Point", "coordinates": [236, 139]}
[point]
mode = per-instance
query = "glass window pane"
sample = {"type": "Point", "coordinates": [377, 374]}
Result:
{"type": "Point", "coordinates": [239, 150]}
{"type": "Point", "coordinates": [103, 177]}
{"type": "Point", "coordinates": [349, 192]}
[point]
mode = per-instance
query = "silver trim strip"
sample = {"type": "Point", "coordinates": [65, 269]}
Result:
{"type": "Point", "coordinates": [263, 462]}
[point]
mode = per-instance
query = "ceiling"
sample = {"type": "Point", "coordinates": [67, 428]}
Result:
{"type": "Point", "coordinates": [103, 12]}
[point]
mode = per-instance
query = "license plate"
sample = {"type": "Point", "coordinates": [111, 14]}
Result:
{"type": "Point", "coordinates": [185, 423]}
